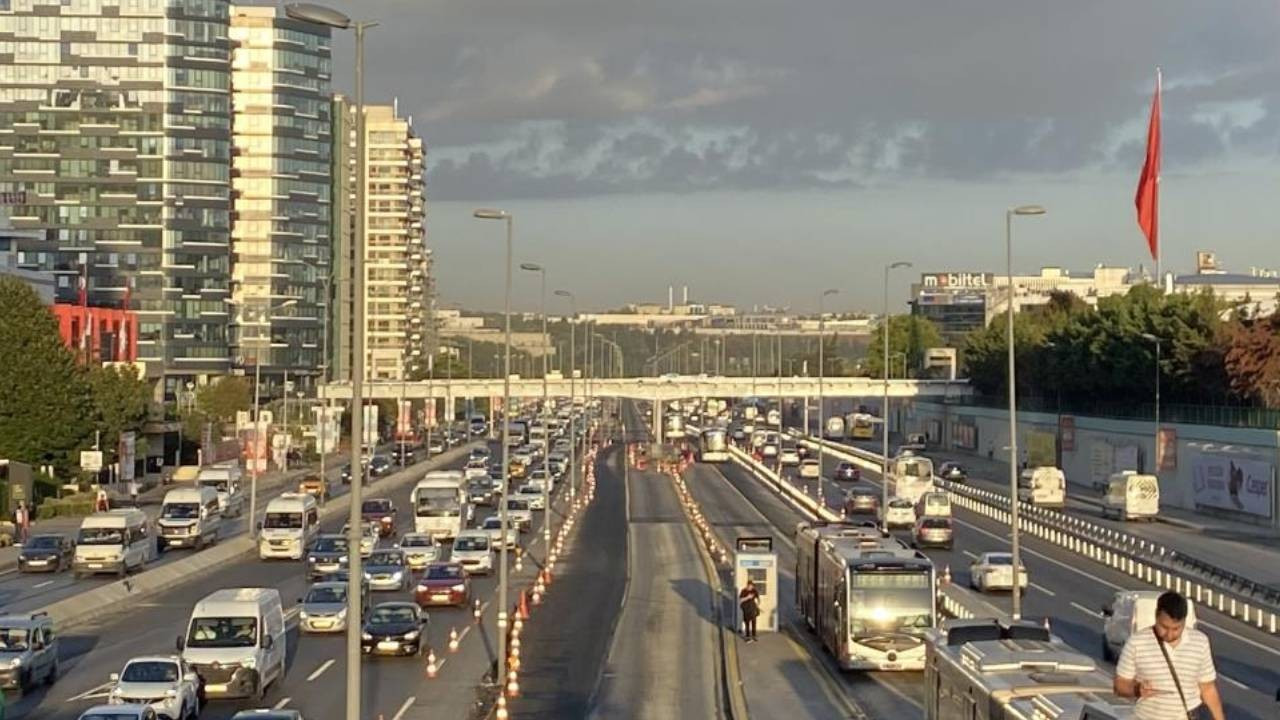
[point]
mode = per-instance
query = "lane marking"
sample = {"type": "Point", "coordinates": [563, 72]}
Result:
{"type": "Point", "coordinates": [1086, 611]}
{"type": "Point", "coordinates": [440, 665]}
{"type": "Point", "coordinates": [1236, 682]}
{"type": "Point", "coordinates": [93, 692]}
{"type": "Point", "coordinates": [972, 555]}
{"type": "Point", "coordinates": [46, 583]}
{"type": "Point", "coordinates": [1044, 590]}
{"type": "Point", "coordinates": [320, 670]}
{"type": "Point", "coordinates": [404, 708]}
{"type": "Point", "coordinates": [283, 701]}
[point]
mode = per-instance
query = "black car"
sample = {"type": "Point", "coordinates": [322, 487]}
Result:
{"type": "Point", "coordinates": [328, 554]}
{"type": "Point", "coordinates": [803, 450]}
{"type": "Point", "coordinates": [848, 471]}
{"type": "Point", "coordinates": [46, 553]}
{"type": "Point", "coordinates": [346, 474]}
{"type": "Point", "coordinates": [480, 491]}
{"type": "Point", "coordinates": [406, 455]}
{"type": "Point", "coordinates": [954, 472]}
{"type": "Point", "coordinates": [394, 628]}
{"type": "Point", "coordinates": [381, 466]}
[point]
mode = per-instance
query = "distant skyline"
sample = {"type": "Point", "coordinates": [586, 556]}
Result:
{"type": "Point", "coordinates": [760, 151]}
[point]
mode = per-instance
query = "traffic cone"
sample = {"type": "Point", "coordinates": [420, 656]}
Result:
{"type": "Point", "coordinates": [476, 612]}
{"type": "Point", "coordinates": [946, 575]}
{"type": "Point", "coordinates": [431, 664]}
{"type": "Point", "coordinates": [502, 707]}
{"type": "Point", "coordinates": [523, 611]}
{"type": "Point", "coordinates": [453, 639]}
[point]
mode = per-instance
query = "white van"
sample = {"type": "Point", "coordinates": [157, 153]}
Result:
{"type": "Point", "coordinates": [1043, 486]}
{"type": "Point", "coordinates": [225, 479]}
{"type": "Point", "coordinates": [934, 504]}
{"type": "Point", "coordinates": [190, 517]}
{"type": "Point", "coordinates": [115, 541]}
{"type": "Point", "coordinates": [1128, 612]}
{"type": "Point", "coordinates": [235, 641]}
{"type": "Point", "coordinates": [1131, 496]}
{"type": "Point", "coordinates": [288, 526]}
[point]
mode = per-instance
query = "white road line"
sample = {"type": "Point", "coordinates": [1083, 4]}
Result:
{"type": "Point", "coordinates": [1044, 590]}
{"type": "Point", "coordinates": [97, 691]}
{"type": "Point", "coordinates": [1206, 626]}
{"type": "Point", "coordinates": [10, 571]}
{"type": "Point", "coordinates": [466, 629]}
{"type": "Point", "coordinates": [37, 586]}
{"type": "Point", "coordinates": [283, 701]}
{"type": "Point", "coordinates": [1236, 682]}
{"type": "Point", "coordinates": [972, 555]}
{"type": "Point", "coordinates": [1086, 611]}
{"type": "Point", "coordinates": [320, 670]}
{"type": "Point", "coordinates": [440, 665]}
{"type": "Point", "coordinates": [404, 708]}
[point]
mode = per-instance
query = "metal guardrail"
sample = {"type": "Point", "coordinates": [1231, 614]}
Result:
{"type": "Point", "coordinates": [1207, 584]}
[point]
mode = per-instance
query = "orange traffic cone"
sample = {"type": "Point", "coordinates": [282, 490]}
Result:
{"type": "Point", "coordinates": [523, 611]}
{"type": "Point", "coordinates": [431, 664]}
{"type": "Point", "coordinates": [453, 639]}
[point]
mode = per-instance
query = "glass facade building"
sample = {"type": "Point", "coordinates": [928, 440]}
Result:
{"type": "Point", "coordinates": [115, 133]}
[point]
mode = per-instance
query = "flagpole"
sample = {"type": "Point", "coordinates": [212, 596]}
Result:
{"type": "Point", "coordinates": [1156, 203]}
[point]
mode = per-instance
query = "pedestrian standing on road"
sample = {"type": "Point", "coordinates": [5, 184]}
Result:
{"type": "Point", "coordinates": [133, 492]}
{"type": "Point", "coordinates": [749, 601]}
{"type": "Point", "coordinates": [1168, 667]}
{"type": "Point", "coordinates": [102, 503]}
{"type": "Point", "coordinates": [22, 521]}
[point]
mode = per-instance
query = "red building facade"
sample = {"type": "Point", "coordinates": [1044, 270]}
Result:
{"type": "Point", "coordinates": [99, 334]}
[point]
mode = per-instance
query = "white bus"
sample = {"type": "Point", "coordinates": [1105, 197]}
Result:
{"type": "Point", "coordinates": [912, 477]}
{"type": "Point", "coordinates": [835, 428]}
{"type": "Point", "coordinates": [715, 446]}
{"type": "Point", "coordinates": [861, 426]}
{"type": "Point", "coordinates": [440, 506]}
{"type": "Point", "coordinates": [674, 426]}
{"type": "Point", "coordinates": [870, 599]}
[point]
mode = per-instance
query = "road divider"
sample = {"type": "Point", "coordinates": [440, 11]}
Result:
{"type": "Point", "coordinates": [1210, 586]}
{"type": "Point", "coordinates": [115, 597]}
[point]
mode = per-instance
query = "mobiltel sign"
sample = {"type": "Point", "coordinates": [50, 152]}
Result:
{"type": "Point", "coordinates": [958, 280]}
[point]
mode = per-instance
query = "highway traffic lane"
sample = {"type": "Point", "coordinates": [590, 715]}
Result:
{"type": "Point", "coordinates": [789, 674]}
{"type": "Point", "coordinates": [90, 653]}
{"type": "Point", "coordinates": [664, 654]}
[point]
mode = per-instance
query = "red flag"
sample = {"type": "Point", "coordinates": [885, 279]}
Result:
{"type": "Point", "coordinates": [1148, 197]}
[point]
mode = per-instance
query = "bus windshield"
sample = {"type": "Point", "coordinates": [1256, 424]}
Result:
{"type": "Point", "coordinates": [283, 520]}
{"type": "Point", "coordinates": [890, 602]}
{"type": "Point", "coordinates": [437, 502]}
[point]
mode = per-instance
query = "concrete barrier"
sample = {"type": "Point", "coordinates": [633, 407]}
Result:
{"type": "Point", "coordinates": [111, 598]}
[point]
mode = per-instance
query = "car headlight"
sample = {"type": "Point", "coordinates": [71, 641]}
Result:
{"type": "Point", "coordinates": [367, 576]}
{"type": "Point", "coordinates": [117, 692]}
{"type": "Point", "coordinates": [411, 635]}
{"type": "Point", "coordinates": [249, 663]}
{"type": "Point", "coordinates": [16, 662]}
{"type": "Point", "coordinates": [386, 518]}
{"type": "Point", "coordinates": [460, 587]}
{"type": "Point", "coordinates": [302, 614]}
{"type": "Point", "coordinates": [397, 575]}
{"type": "Point", "coordinates": [365, 636]}
{"type": "Point", "coordinates": [342, 614]}
{"type": "Point", "coordinates": [171, 693]}
{"type": "Point", "coordinates": [312, 559]}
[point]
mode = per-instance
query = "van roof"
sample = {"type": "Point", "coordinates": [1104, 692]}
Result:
{"type": "Point", "coordinates": [114, 518]}
{"type": "Point", "coordinates": [291, 501]}
{"type": "Point", "coordinates": [188, 494]}
{"type": "Point", "coordinates": [233, 600]}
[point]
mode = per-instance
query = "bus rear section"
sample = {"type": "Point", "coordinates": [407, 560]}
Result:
{"type": "Point", "coordinates": [912, 477]}
{"type": "Point", "coordinates": [715, 446]}
{"type": "Point", "coordinates": [861, 426]}
{"type": "Point", "coordinates": [440, 506]}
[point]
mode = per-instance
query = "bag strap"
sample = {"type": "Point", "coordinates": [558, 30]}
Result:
{"type": "Point", "coordinates": [1169, 661]}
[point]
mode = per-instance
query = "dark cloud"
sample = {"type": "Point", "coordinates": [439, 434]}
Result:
{"type": "Point", "coordinates": [552, 98]}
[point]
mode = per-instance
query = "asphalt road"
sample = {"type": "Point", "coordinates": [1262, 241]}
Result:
{"type": "Point", "coordinates": [393, 688]}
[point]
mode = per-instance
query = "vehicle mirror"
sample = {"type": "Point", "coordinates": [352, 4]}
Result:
{"type": "Point", "coordinates": [268, 642]}
{"type": "Point", "coordinates": [259, 524]}
{"type": "Point", "coordinates": [191, 678]}
{"type": "Point", "coordinates": [1107, 610]}
{"type": "Point", "coordinates": [113, 677]}
{"type": "Point", "coordinates": [299, 601]}
{"type": "Point", "coordinates": [179, 643]}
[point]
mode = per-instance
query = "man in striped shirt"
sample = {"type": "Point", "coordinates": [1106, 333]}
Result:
{"type": "Point", "coordinates": [1143, 672]}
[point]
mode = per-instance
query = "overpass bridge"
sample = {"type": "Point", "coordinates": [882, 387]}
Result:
{"type": "Point", "coordinates": [668, 387]}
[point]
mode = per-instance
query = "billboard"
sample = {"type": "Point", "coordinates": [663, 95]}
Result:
{"type": "Point", "coordinates": [1232, 482]}
{"type": "Point", "coordinates": [958, 280]}
{"type": "Point", "coordinates": [404, 419]}
{"type": "Point", "coordinates": [1067, 431]}
{"type": "Point", "coordinates": [128, 455]}
{"type": "Point", "coordinates": [1167, 449]}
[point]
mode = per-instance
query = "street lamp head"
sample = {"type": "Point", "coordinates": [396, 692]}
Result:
{"type": "Point", "coordinates": [531, 267]}
{"type": "Point", "coordinates": [1149, 337]}
{"type": "Point", "coordinates": [830, 291]}
{"type": "Point", "coordinates": [899, 264]}
{"type": "Point", "coordinates": [564, 293]}
{"type": "Point", "coordinates": [287, 303]}
{"type": "Point", "coordinates": [317, 14]}
{"type": "Point", "coordinates": [491, 214]}
{"type": "Point", "coordinates": [1028, 210]}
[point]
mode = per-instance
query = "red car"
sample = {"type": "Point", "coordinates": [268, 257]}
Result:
{"type": "Point", "coordinates": [381, 511]}
{"type": "Point", "coordinates": [443, 583]}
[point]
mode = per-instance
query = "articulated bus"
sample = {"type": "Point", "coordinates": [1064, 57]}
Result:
{"type": "Point", "coordinates": [869, 598]}
{"type": "Point", "coordinates": [912, 476]}
{"type": "Point", "coordinates": [861, 426]}
{"type": "Point", "coordinates": [715, 446]}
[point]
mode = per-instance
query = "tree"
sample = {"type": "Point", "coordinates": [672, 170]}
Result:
{"type": "Point", "coordinates": [45, 406]}
{"type": "Point", "coordinates": [910, 334]}
{"type": "Point", "coordinates": [120, 400]}
{"type": "Point", "coordinates": [1252, 359]}
{"type": "Point", "coordinates": [222, 399]}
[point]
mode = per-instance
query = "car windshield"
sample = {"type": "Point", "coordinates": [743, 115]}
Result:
{"type": "Point", "coordinates": [375, 506]}
{"type": "Point", "coordinates": [415, 541]}
{"type": "Point", "coordinates": [393, 615]}
{"type": "Point", "coordinates": [331, 545]}
{"type": "Point", "coordinates": [42, 542]}
{"type": "Point", "coordinates": [529, 490]}
{"type": "Point", "coordinates": [514, 504]}
{"type": "Point", "coordinates": [110, 715]}
{"type": "Point", "coordinates": [150, 671]}
{"type": "Point", "coordinates": [13, 639]}
{"type": "Point", "coordinates": [445, 572]}
{"type": "Point", "coordinates": [327, 594]}
{"type": "Point", "coordinates": [283, 520]}
{"type": "Point", "coordinates": [387, 559]}
{"type": "Point", "coordinates": [471, 543]}
{"type": "Point", "coordinates": [900, 504]}
{"type": "Point", "coordinates": [219, 485]}
{"type": "Point", "coordinates": [1000, 560]}
{"type": "Point", "coordinates": [215, 632]}
{"type": "Point", "coordinates": [438, 502]}
{"type": "Point", "coordinates": [492, 523]}
{"type": "Point", "coordinates": [101, 536]}
{"type": "Point", "coordinates": [180, 511]}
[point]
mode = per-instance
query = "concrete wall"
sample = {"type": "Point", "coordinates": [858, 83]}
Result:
{"type": "Point", "coordinates": [1221, 471]}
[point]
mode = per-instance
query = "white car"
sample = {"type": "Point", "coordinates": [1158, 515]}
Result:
{"type": "Point", "coordinates": [810, 468]}
{"type": "Point", "coordinates": [476, 469]}
{"type": "Point", "coordinates": [420, 550]}
{"type": "Point", "coordinates": [900, 514]}
{"type": "Point", "coordinates": [369, 534]}
{"type": "Point", "coordinates": [994, 571]}
{"type": "Point", "coordinates": [132, 711]}
{"type": "Point", "coordinates": [789, 455]}
{"type": "Point", "coordinates": [473, 551]}
{"type": "Point", "coordinates": [531, 494]}
{"type": "Point", "coordinates": [163, 683]}
{"type": "Point", "coordinates": [519, 513]}
{"type": "Point", "coordinates": [493, 526]}
{"type": "Point", "coordinates": [1127, 613]}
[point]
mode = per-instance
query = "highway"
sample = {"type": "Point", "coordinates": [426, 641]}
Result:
{"type": "Point", "coordinates": [665, 651]}
{"type": "Point", "coordinates": [1070, 591]}
{"type": "Point", "coordinates": [394, 688]}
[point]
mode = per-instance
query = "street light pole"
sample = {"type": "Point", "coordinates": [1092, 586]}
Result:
{"type": "Point", "coordinates": [884, 403]}
{"type": "Point", "coordinates": [546, 421]}
{"type": "Point", "coordinates": [573, 394]}
{"type": "Point", "coordinates": [822, 318]}
{"type": "Point", "coordinates": [1155, 449]}
{"type": "Point", "coordinates": [1015, 546]}
{"type": "Point", "coordinates": [501, 679]}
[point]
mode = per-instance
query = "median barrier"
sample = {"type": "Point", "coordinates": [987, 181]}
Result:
{"type": "Point", "coordinates": [107, 599]}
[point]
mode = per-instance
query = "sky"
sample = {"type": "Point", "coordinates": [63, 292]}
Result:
{"type": "Point", "coordinates": [761, 151]}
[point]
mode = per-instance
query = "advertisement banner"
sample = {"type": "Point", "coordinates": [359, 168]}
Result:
{"type": "Point", "coordinates": [370, 426]}
{"type": "Point", "coordinates": [253, 448]}
{"type": "Point", "coordinates": [404, 419]}
{"type": "Point", "coordinates": [1167, 449]}
{"type": "Point", "coordinates": [1233, 483]}
{"type": "Point", "coordinates": [327, 428]}
{"type": "Point", "coordinates": [1067, 431]}
{"type": "Point", "coordinates": [1100, 464]}
{"type": "Point", "coordinates": [128, 456]}
{"type": "Point", "coordinates": [1042, 449]}
{"type": "Point", "coordinates": [964, 434]}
